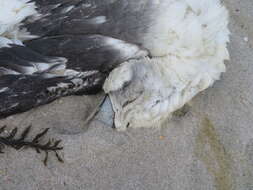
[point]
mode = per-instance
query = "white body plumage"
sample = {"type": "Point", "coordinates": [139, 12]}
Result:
{"type": "Point", "coordinates": [188, 43]}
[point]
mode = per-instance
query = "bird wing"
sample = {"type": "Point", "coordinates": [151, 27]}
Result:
{"type": "Point", "coordinates": [124, 20]}
{"type": "Point", "coordinates": [87, 52]}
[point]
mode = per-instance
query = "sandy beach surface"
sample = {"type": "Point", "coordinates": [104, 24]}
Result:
{"type": "Point", "coordinates": [210, 148]}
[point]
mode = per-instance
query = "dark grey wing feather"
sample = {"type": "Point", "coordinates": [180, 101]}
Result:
{"type": "Point", "coordinates": [19, 93]}
{"type": "Point", "coordinates": [52, 14]}
{"type": "Point", "coordinates": [22, 60]}
{"type": "Point", "coordinates": [121, 19]}
{"type": "Point", "coordinates": [29, 79]}
{"type": "Point", "coordinates": [24, 53]}
{"type": "Point", "coordinates": [87, 52]}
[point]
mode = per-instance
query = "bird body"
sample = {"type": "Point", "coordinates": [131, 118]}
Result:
{"type": "Point", "coordinates": [161, 53]}
{"type": "Point", "coordinates": [188, 44]}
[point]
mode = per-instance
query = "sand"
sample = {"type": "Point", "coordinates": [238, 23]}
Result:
{"type": "Point", "coordinates": [209, 148]}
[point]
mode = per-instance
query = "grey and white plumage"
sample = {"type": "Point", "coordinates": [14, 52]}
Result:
{"type": "Point", "coordinates": [187, 40]}
{"type": "Point", "coordinates": [169, 50]}
{"type": "Point", "coordinates": [37, 67]}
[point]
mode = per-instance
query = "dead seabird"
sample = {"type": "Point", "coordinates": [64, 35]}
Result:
{"type": "Point", "coordinates": [168, 51]}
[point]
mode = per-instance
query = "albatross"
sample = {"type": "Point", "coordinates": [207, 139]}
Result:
{"type": "Point", "coordinates": [150, 56]}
